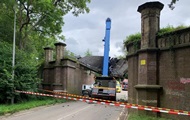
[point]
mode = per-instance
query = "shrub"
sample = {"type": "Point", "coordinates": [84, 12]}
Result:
{"type": "Point", "coordinates": [25, 77]}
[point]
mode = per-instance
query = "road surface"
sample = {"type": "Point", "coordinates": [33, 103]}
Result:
{"type": "Point", "coordinates": [69, 111]}
{"type": "Point", "coordinates": [74, 110]}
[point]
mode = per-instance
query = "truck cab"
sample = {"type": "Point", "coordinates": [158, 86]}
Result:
{"type": "Point", "coordinates": [87, 90]}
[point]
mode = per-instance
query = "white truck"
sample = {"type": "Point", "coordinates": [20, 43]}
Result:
{"type": "Point", "coordinates": [87, 90]}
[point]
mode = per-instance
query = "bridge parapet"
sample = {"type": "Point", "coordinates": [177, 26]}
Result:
{"type": "Point", "coordinates": [175, 39]}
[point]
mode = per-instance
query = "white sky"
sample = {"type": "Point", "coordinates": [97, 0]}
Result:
{"type": "Point", "coordinates": [87, 30]}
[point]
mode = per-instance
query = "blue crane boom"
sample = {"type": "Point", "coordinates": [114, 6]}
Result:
{"type": "Point", "coordinates": [105, 86]}
{"type": "Point", "coordinates": [106, 48]}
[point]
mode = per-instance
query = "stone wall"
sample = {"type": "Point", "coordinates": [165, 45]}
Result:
{"type": "Point", "coordinates": [64, 74]}
{"type": "Point", "coordinates": [159, 66]}
{"type": "Point", "coordinates": [174, 69]}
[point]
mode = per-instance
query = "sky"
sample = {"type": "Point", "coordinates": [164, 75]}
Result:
{"type": "Point", "coordinates": [86, 31]}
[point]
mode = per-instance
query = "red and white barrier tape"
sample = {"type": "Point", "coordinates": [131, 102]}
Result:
{"type": "Point", "coordinates": [126, 105]}
{"type": "Point", "coordinates": [83, 97]}
{"type": "Point", "coordinates": [115, 102]}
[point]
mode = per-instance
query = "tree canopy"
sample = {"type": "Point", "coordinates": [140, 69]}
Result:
{"type": "Point", "coordinates": [41, 17]}
{"type": "Point", "coordinates": [88, 53]}
{"type": "Point", "coordinates": [171, 5]}
{"type": "Point", "coordinates": [38, 25]}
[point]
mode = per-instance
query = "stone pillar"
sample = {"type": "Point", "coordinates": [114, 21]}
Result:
{"type": "Point", "coordinates": [59, 51]}
{"type": "Point", "coordinates": [58, 83]}
{"type": "Point", "coordinates": [148, 85]}
{"type": "Point", "coordinates": [48, 55]}
{"type": "Point", "coordinates": [150, 23]}
{"type": "Point", "coordinates": [46, 84]}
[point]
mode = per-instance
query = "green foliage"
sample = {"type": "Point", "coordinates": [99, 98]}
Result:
{"type": "Point", "coordinates": [44, 17]}
{"type": "Point", "coordinates": [125, 75]}
{"type": "Point", "coordinates": [88, 53]}
{"type": "Point", "coordinates": [137, 37]}
{"type": "Point", "coordinates": [6, 23]}
{"type": "Point", "coordinates": [25, 77]}
{"type": "Point", "coordinates": [174, 1]}
{"type": "Point", "coordinates": [169, 29]}
{"type": "Point", "coordinates": [39, 22]}
{"type": "Point", "coordinates": [70, 55]}
{"type": "Point", "coordinates": [171, 5]}
{"type": "Point", "coordinates": [38, 25]}
{"type": "Point", "coordinates": [121, 57]}
{"type": "Point", "coordinates": [132, 38]}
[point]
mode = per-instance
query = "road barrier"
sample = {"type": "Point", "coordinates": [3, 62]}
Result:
{"type": "Point", "coordinates": [121, 104]}
{"type": "Point", "coordinates": [83, 97]}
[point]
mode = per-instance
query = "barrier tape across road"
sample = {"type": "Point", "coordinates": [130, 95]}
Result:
{"type": "Point", "coordinates": [126, 105]}
{"type": "Point", "coordinates": [83, 97]}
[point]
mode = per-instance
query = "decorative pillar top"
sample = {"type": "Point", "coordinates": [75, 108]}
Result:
{"type": "Point", "coordinates": [150, 23]}
{"type": "Point", "coordinates": [48, 48]}
{"type": "Point", "coordinates": [155, 4]}
{"type": "Point", "coordinates": [60, 43]}
{"type": "Point", "coordinates": [59, 51]}
{"type": "Point", "coordinates": [48, 55]}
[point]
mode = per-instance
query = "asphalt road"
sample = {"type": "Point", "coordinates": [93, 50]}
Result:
{"type": "Point", "coordinates": [73, 111]}
{"type": "Point", "coordinates": [69, 111]}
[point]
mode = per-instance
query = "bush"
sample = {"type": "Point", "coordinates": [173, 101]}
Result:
{"type": "Point", "coordinates": [169, 28]}
{"type": "Point", "coordinates": [25, 77]}
{"type": "Point", "coordinates": [133, 38]}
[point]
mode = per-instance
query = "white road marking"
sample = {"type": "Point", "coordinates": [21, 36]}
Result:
{"type": "Point", "coordinates": [73, 113]}
{"type": "Point", "coordinates": [121, 113]}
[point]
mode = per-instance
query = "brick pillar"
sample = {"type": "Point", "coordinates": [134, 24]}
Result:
{"type": "Point", "coordinates": [59, 51]}
{"type": "Point", "coordinates": [48, 55]}
{"type": "Point", "coordinates": [147, 87]}
{"type": "Point", "coordinates": [58, 83]}
{"type": "Point", "coordinates": [46, 84]}
{"type": "Point", "coordinates": [150, 23]}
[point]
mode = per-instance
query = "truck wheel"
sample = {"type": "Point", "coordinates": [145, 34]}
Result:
{"type": "Point", "coordinates": [113, 98]}
{"type": "Point", "coordinates": [86, 93]}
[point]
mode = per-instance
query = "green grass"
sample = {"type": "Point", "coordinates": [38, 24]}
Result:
{"type": "Point", "coordinates": [144, 117]}
{"type": "Point", "coordinates": [4, 109]}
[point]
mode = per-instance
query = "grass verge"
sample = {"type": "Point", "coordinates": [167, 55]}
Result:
{"type": "Point", "coordinates": [4, 109]}
{"type": "Point", "coordinates": [143, 117]}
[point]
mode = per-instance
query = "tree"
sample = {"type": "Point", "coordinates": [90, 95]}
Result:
{"type": "Point", "coordinates": [88, 53]}
{"type": "Point", "coordinates": [6, 24]}
{"type": "Point", "coordinates": [174, 1]}
{"type": "Point", "coordinates": [171, 5]}
{"type": "Point", "coordinates": [39, 24]}
{"type": "Point", "coordinates": [44, 17]}
{"type": "Point", "coordinates": [25, 73]}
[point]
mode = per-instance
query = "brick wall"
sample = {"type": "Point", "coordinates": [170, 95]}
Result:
{"type": "Point", "coordinates": [64, 74]}
{"type": "Point", "coordinates": [159, 70]}
{"type": "Point", "coordinates": [174, 69]}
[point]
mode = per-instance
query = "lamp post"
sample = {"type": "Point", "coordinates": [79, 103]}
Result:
{"type": "Point", "coordinates": [13, 61]}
